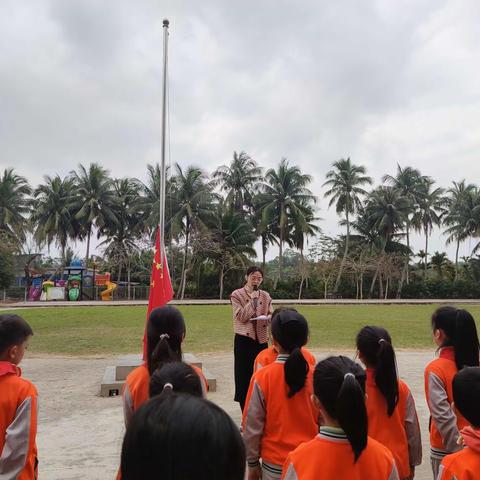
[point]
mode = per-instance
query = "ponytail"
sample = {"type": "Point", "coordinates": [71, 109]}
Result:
{"type": "Point", "coordinates": [296, 370]}
{"type": "Point", "coordinates": [375, 346]}
{"type": "Point", "coordinates": [162, 354]}
{"type": "Point", "coordinates": [339, 384]}
{"type": "Point", "coordinates": [290, 331]}
{"type": "Point", "coordinates": [459, 327]}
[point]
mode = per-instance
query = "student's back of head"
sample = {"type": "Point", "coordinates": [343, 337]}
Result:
{"type": "Point", "coordinates": [178, 377]}
{"type": "Point", "coordinates": [290, 332]}
{"type": "Point", "coordinates": [374, 345]}
{"type": "Point", "coordinates": [460, 332]}
{"type": "Point", "coordinates": [182, 437]}
{"type": "Point", "coordinates": [165, 334]}
{"type": "Point", "coordinates": [14, 332]}
{"type": "Point", "coordinates": [466, 394]}
{"type": "Point", "coordinates": [339, 385]}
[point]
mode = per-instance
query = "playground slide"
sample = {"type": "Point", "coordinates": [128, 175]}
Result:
{"type": "Point", "coordinates": [34, 293]}
{"type": "Point", "coordinates": [107, 293]}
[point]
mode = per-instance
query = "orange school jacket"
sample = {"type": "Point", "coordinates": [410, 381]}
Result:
{"type": "Point", "coordinates": [445, 421]}
{"type": "Point", "coordinates": [18, 425]}
{"type": "Point", "coordinates": [330, 456]}
{"type": "Point", "coordinates": [269, 355]}
{"type": "Point", "coordinates": [400, 432]}
{"type": "Point", "coordinates": [135, 390]}
{"type": "Point", "coordinates": [273, 424]}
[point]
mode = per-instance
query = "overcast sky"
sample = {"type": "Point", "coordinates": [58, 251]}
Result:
{"type": "Point", "coordinates": [380, 82]}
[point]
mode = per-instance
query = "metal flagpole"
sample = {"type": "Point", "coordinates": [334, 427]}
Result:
{"type": "Point", "coordinates": [162, 167]}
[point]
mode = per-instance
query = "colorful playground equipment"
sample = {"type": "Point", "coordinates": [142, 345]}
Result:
{"type": "Point", "coordinates": [35, 290]}
{"type": "Point", "coordinates": [74, 284]}
{"type": "Point", "coordinates": [104, 280]}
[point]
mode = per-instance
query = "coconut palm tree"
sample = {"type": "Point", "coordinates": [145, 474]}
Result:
{"type": "Point", "coordinates": [52, 213]}
{"type": "Point", "coordinates": [192, 196]}
{"type": "Point", "coordinates": [286, 195]}
{"type": "Point", "coordinates": [239, 180]}
{"type": "Point", "coordinates": [14, 205]}
{"type": "Point", "coordinates": [94, 201]}
{"type": "Point", "coordinates": [345, 183]}
{"type": "Point", "coordinates": [439, 262]}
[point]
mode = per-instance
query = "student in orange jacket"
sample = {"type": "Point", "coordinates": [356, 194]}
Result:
{"type": "Point", "coordinates": [278, 414]}
{"type": "Point", "coordinates": [18, 404]}
{"type": "Point", "coordinates": [342, 450]}
{"type": "Point", "coordinates": [178, 377]}
{"type": "Point", "coordinates": [455, 333]}
{"type": "Point", "coordinates": [165, 334]}
{"type": "Point", "coordinates": [270, 354]}
{"type": "Point", "coordinates": [465, 464]}
{"type": "Point", "coordinates": [392, 416]}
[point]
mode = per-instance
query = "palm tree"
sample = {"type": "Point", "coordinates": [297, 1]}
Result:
{"type": "Point", "coordinates": [286, 195]}
{"type": "Point", "coordinates": [192, 197]}
{"type": "Point", "coordinates": [240, 180]}
{"type": "Point", "coordinates": [52, 212]}
{"type": "Point", "coordinates": [345, 181]}
{"type": "Point", "coordinates": [14, 205]}
{"type": "Point", "coordinates": [386, 210]}
{"type": "Point", "coordinates": [94, 201]}
{"type": "Point", "coordinates": [438, 262]}
{"type": "Point", "coordinates": [431, 207]}
{"type": "Point", "coordinates": [408, 182]}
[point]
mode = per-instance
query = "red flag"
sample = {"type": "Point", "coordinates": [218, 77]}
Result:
{"type": "Point", "coordinates": [161, 291]}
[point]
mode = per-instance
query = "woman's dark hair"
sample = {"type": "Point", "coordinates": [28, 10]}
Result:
{"type": "Point", "coordinates": [14, 330]}
{"type": "Point", "coordinates": [339, 384]}
{"type": "Point", "coordinates": [466, 394]}
{"type": "Point", "coordinates": [375, 346]}
{"type": "Point", "coordinates": [254, 269]}
{"type": "Point", "coordinates": [461, 331]}
{"type": "Point", "coordinates": [182, 437]}
{"type": "Point", "coordinates": [181, 376]}
{"type": "Point", "coordinates": [290, 331]}
{"type": "Point", "coordinates": [165, 333]}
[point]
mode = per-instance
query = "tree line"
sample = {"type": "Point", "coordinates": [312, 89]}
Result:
{"type": "Point", "coordinates": [213, 222]}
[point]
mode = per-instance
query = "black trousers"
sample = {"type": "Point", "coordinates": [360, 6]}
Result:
{"type": "Point", "coordinates": [245, 350]}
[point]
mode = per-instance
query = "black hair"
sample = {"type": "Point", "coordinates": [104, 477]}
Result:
{"type": "Point", "coordinates": [461, 331]}
{"type": "Point", "coordinates": [181, 376]}
{"type": "Point", "coordinates": [182, 437]}
{"type": "Point", "coordinates": [254, 269]}
{"type": "Point", "coordinates": [165, 333]}
{"type": "Point", "coordinates": [290, 331]}
{"type": "Point", "coordinates": [466, 394]}
{"type": "Point", "coordinates": [375, 345]}
{"type": "Point", "coordinates": [14, 330]}
{"type": "Point", "coordinates": [339, 384]}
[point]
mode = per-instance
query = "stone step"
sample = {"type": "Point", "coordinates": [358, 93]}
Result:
{"type": "Point", "coordinates": [211, 380]}
{"type": "Point", "coordinates": [110, 386]}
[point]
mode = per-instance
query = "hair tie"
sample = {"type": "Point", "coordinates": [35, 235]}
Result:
{"type": "Point", "coordinates": [164, 335]}
{"type": "Point", "coordinates": [382, 340]}
{"type": "Point", "coordinates": [349, 374]}
{"type": "Point", "coordinates": [168, 386]}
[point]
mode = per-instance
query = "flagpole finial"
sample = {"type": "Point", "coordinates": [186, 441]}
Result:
{"type": "Point", "coordinates": [166, 23]}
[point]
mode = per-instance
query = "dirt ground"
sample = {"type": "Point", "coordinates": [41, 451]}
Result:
{"type": "Point", "coordinates": [80, 433]}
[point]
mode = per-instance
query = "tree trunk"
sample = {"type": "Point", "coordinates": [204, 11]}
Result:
{"type": "Point", "coordinates": [264, 252]}
{"type": "Point", "coordinates": [361, 286]}
{"type": "Point", "coordinates": [280, 256]}
{"type": "Point", "coordinates": [407, 261]}
{"type": "Point", "coordinates": [128, 280]}
{"type": "Point", "coordinates": [88, 246]}
{"type": "Point", "coordinates": [380, 285]}
{"type": "Point", "coordinates": [386, 287]}
{"type": "Point", "coordinates": [221, 282]}
{"type": "Point", "coordinates": [456, 259]}
{"type": "Point", "coordinates": [181, 288]}
{"type": "Point", "coordinates": [325, 289]}
{"type": "Point", "coordinates": [119, 276]}
{"type": "Point", "coordinates": [372, 286]}
{"type": "Point", "coordinates": [402, 279]}
{"type": "Point", "coordinates": [345, 253]}
{"type": "Point", "coordinates": [426, 255]}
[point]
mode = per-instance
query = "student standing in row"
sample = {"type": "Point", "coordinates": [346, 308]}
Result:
{"type": "Point", "coordinates": [278, 413]}
{"type": "Point", "coordinates": [455, 333]}
{"type": "Point", "coordinates": [342, 450]}
{"type": "Point", "coordinates": [392, 416]}
{"type": "Point", "coordinates": [18, 403]}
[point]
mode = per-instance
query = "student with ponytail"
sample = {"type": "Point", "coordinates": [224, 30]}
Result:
{"type": "Point", "coordinates": [278, 413]}
{"type": "Point", "coordinates": [342, 450]}
{"type": "Point", "coordinates": [455, 333]}
{"type": "Point", "coordinates": [178, 377]}
{"type": "Point", "coordinates": [392, 416]}
{"type": "Point", "coordinates": [165, 334]}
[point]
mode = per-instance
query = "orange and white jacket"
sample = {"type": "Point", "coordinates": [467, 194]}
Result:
{"type": "Point", "coordinates": [269, 355]}
{"type": "Point", "coordinates": [400, 432]}
{"type": "Point", "coordinates": [330, 456]}
{"type": "Point", "coordinates": [18, 425]}
{"type": "Point", "coordinates": [463, 465]}
{"type": "Point", "coordinates": [136, 389]}
{"type": "Point", "coordinates": [273, 424]}
{"type": "Point", "coordinates": [445, 421]}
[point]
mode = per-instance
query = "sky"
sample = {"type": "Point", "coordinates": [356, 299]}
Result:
{"type": "Point", "coordinates": [383, 82]}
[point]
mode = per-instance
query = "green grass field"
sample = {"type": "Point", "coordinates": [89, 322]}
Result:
{"type": "Point", "coordinates": [116, 330]}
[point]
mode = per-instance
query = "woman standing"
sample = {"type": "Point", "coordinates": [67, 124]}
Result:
{"type": "Point", "coordinates": [252, 310]}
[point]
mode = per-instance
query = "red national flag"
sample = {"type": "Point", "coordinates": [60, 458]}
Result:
{"type": "Point", "coordinates": [161, 291]}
